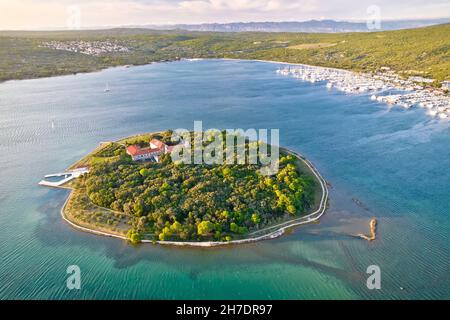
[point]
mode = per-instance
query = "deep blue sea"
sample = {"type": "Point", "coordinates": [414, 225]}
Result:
{"type": "Point", "coordinates": [387, 163]}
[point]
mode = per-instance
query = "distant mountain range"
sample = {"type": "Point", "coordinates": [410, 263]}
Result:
{"type": "Point", "coordinates": [325, 26]}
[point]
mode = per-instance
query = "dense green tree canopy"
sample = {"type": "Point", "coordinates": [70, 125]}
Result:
{"type": "Point", "coordinates": [197, 202]}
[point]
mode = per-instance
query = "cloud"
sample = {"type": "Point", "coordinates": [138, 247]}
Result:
{"type": "Point", "coordinates": [247, 5]}
{"type": "Point", "coordinates": [53, 13]}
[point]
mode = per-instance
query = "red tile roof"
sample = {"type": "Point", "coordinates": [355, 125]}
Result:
{"type": "Point", "coordinates": [135, 151]}
{"type": "Point", "coordinates": [158, 143]}
{"type": "Point", "coordinates": [132, 150]}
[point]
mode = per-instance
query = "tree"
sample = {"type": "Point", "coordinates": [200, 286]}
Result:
{"type": "Point", "coordinates": [291, 209]}
{"type": "Point", "coordinates": [165, 234]}
{"type": "Point", "coordinates": [165, 187]}
{"type": "Point", "coordinates": [268, 182]}
{"type": "Point", "coordinates": [133, 236]}
{"type": "Point", "coordinates": [256, 218]}
{"type": "Point", "coordinates": [176, 227]}
{"type": "Point", "coordinates": [141, 223]}
{"type": "Point", "coordinates": [225, 215]}
{"type": "Point", "coordinates": [226, 172]}
{"type": "Point", "coordinates": [138, 208]}
{"type": "Point", "coordinates": [237, 229]}
{"type": "Point", "coordinates": [204, 228]}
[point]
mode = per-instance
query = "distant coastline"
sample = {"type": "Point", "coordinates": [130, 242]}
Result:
{"type": "Point", "coordinates": [127, 66]}
{"type": "Point", "coordinates": [409, 52]}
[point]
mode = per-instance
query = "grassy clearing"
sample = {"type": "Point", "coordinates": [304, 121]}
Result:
{"type": "Point", "coordinates": [306, 46]}
{"type": "Point", "coordinates": [80, 210]}
{"type": "Point", "coordinates": [106, 152]}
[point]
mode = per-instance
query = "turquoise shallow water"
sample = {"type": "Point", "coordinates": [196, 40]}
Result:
{"type": "Point", "coordinates": [395, 162]}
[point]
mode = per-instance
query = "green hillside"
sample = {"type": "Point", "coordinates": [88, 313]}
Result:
{"type": "Point", "coordinates": [424, 51]}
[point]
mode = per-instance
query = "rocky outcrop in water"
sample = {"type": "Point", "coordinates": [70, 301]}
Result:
{"type": "Point", "coordinates": [373, 232]}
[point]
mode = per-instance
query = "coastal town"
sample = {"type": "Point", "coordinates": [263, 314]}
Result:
{"type": "Point", "coordinates": [384, 86]}
{"type": "Point", "coordinates": [91, 48]}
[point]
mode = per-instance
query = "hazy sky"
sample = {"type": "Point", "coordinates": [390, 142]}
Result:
{"type": "Point", "coordinates": [39, 14]}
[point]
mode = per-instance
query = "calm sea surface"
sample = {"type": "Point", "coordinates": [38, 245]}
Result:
{"type": "Point", "coordinates": [386, 163]}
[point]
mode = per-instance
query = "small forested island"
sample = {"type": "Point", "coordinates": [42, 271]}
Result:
{"type": "Point", "coordinates": [134, 190]}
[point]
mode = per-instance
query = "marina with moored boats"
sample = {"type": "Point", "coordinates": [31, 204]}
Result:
{"type": "Point", "coordinates": [385, 86]}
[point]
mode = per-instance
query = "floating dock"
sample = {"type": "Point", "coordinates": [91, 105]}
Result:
{"type": "Point", "coordinates": [65, 177]}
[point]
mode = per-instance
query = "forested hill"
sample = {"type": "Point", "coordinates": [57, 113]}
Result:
{"type": "Point", "coordinates": [315, 26]}
{"type": "Point", "coordinates": [422, 51]}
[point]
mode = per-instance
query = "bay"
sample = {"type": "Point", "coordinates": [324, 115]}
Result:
{"type": "Point", "coordinates": [391, 164]}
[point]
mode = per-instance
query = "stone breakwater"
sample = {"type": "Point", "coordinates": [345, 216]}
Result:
{"type": "Point", "coordinates": [373, 231]}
